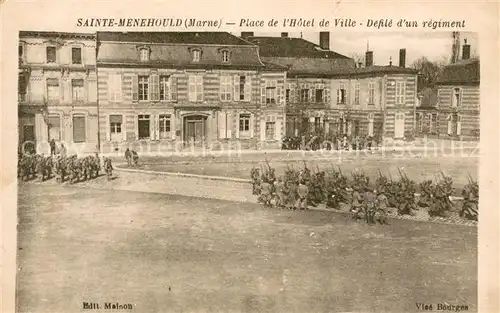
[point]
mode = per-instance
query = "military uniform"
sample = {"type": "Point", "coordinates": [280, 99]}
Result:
{"type": "Point", "coordinates": [135, 158]}
{"type": "Point", "coordinates": [356, 204]}
{"type": "Point", "coordinates": [279, 194]}
{"type": "Point", "coordinates": [381, 209]}
{"type": "Point", "coordinates": [255, 176]}
{"type": "Point", "coordinates": [128, 157]}
{"type": "Point", "coordinates": [265, 194]}
{"type": "Point", "coordinates": [369, 206]}
{"type": "Point", "coordinates": [302, 193]}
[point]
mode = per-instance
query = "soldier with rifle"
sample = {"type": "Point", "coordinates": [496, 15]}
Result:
{"type": "Point", "coordinates": [255, 176]}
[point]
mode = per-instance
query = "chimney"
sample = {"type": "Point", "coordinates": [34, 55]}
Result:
{"type": "Point", "coordinates": [246, 34]}
{"type": "Point", "coordinates": [324, 40]}
{"type": "Point", "coordinates": [402, 57]}
{"type": "Point", "coordinates": [465, 50]}
{"type": "Point", "coordinates": [284, 35]}
{"type": "Point", "coordinates": [369, 58]}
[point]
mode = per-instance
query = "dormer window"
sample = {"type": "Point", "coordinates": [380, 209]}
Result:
{"type": "Point", "coordinates": [144, 54]}
{"type": "Point", "coordinates": [196, 55]}
{"type": "Point", "coordinates": [225, 56]}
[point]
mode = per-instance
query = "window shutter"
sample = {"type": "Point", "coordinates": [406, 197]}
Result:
{"type": "Point", "coordinates": [135, 88]}
{"type": "Point", "coordinates": [151, 90]}
{"type": "Point", "coordinates": [222, 125]}
{"type": "Point", "coordinates": [192, 88]}
{"type": "Point", "coordinates": [252, 126]}
{"type": "Point", "coordinates": [449, 125]}
{"type": "Point", "coordinates": [111, 84]}
{"type": "Point", "coordinates": [108, 129]}
{"type": "Point", "coordinates": [459, 104]}
{"type": "Point", "coordinates": [248, 88]}
{"type": "Point", "coordinates": [173, 89]}
{"type": "Point", "coordinates": [459, 125]}
{"type": "Point", "coordinates": [262, 129]}
{"type": "Point", "coordinates": [124, 127]}
{"type": "Point", "coordinates": [263, 95]}
{"type": "Point", "coordinates": [154, 90]}
{"type": "Point", "coordinates": [278, 95]}
{"type": "Point", "coordinates": [312, 94]}
{"type": "Point", "coordinates": [327, 95]}
{"type": "Point", "coordinates": [152, 123]}
{"type": "Point", "coordinates": [229, 124]}
{"type": "Point", "coordinates": [136, 126]}
{"type": "Point", "coordinates": [237, 130]}
{"type": "Point", "coordinates": [339, 95]}
{"type": "Point", "coordinates": [277, 131]}
{"type": "Point", "coordinates": [200, 89]}
{"type": "Point", "coordinates": [172, 126]}
{"type": "Point", "coordinates": [236, 87]}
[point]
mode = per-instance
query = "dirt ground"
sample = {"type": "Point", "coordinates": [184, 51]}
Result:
{"type": "Point", "coordinates": [165, 253]}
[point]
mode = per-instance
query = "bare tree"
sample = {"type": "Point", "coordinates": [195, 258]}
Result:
{"type": "Point", "coordinates": [428, 72]}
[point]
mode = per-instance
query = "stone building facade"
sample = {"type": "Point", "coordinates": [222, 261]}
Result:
{"type": "Point", "coordinates": [162, 91]}
{"type": "Point", "coordinates": [57, 91]}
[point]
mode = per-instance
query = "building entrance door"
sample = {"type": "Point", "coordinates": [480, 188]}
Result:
{"type": "Point", "coordinates": [399, 125]}
{"type": "Point", "coordinates": [195, 129]}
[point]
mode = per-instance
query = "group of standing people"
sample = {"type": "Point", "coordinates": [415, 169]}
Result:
{"type": "Point", "coordinates": [304, 189]}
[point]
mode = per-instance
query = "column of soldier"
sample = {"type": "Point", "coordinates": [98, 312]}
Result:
{"type": "Point", "coordinates": [303, 188]}
{"type": "Point", "coordinates": [65, 168]}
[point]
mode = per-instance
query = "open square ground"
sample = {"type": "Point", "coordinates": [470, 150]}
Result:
{"type": "Point", "coordinates": [165, 253]}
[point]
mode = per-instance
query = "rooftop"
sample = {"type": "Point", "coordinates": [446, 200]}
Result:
{"type": "Point", "coordinates": [462, 72]}
{"type": "Point", "coordinates": [292, 47]}
{"type": "Point", "coordinates": [207, 38]}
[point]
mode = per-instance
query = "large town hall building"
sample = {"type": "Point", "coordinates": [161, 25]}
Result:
{"type": "Point", "coordinates": [159, 91]}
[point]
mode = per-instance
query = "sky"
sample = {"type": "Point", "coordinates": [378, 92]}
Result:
{"type": "Point", "coordinates": [436, 46]}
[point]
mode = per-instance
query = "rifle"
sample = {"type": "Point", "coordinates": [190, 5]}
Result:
{"type": "Point", "coordinates": [267, 162]}
{"type": "Point", "coordinates": [390, 176]}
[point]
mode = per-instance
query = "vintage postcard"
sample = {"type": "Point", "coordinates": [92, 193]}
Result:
{"type": "Point", "coordinates": [216, 156]}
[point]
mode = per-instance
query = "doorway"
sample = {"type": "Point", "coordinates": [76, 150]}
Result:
{"type": "Point", "coordinates": [195, 129]}
{"type": "Point", "coordinates": [144, 126]}
{"type": "Point", "coordinates": [399, 125]}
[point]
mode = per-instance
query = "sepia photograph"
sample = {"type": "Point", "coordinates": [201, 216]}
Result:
{"type": "Point", "coordinates": [313, 171]}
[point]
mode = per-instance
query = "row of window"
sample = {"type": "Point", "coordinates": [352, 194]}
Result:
{"type": "Point", "coordinates": [116, 128]}
{"type": "Point", "coordinates": [429, 123]}
{"type": "Point", "coordinates": [319, 94]}
{"type": "Point", "coordinates": [164, 88]}
{"type": "Point", "coordinates": [79, 128]}
{"type": "Point", "coordinates": [54, 90]}
{"type": "Point", "coordinates": [51, 54]}
{"type": "Point", "coordinates": [196, 55]}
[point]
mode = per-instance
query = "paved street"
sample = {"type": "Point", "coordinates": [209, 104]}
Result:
{"type": "Point", "coordinates": [166, 253]}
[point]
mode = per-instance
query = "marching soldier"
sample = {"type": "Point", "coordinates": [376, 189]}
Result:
{"type": "Point", "coordinates": [135, 158]}
{"type": "Point", "coordinates": [382, 208]}
{"type": "Point", "coordinates": [108, 167]}
{"type": "Point", "coordinates": [40, 167]}
{"type": "Point", "coordinates": [265, 193]}
{"type": "Point", "coordinates": [356, 203]}
{"type": "Point", "coordinates": [302, 193]}
{"type": "Point", "coordinates": [369, 206]}
{"type": "Point", "coordinates": [128, 157]}
{"type": "Point", "coordinates": [279, 193]}
{"type": "Point", "coordinates": [255, 175]}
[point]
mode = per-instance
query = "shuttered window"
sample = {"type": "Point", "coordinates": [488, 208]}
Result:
{"type": "Point", "coordinates": [79, 128]}
{"type": "Point", "coordinates": [371, 93]}
{"type": "Point", "coordinates": [77, 90]}
{"type": "Point", "coordinates": [356, 93]}
{"type": "Point", "coordinates": [76, 55]}
{"type": "Point", "coordinates": [115, 88]}
{"type": "Point", "coordinates": [400, 92]}
{"type": "Point", "coordinates": [53, 89]}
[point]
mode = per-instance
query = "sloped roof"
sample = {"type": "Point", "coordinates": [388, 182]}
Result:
{"type": "Point", "coordinates": [462, 72]}
{"type": "Point", "coordinates": [313, 66]}
{"type": "Point", "coordinates": [292, 47]}
{"type": "Point", "coordinates": [173, 49]}
{"type": "Point", "coordinates": [212, 38]}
